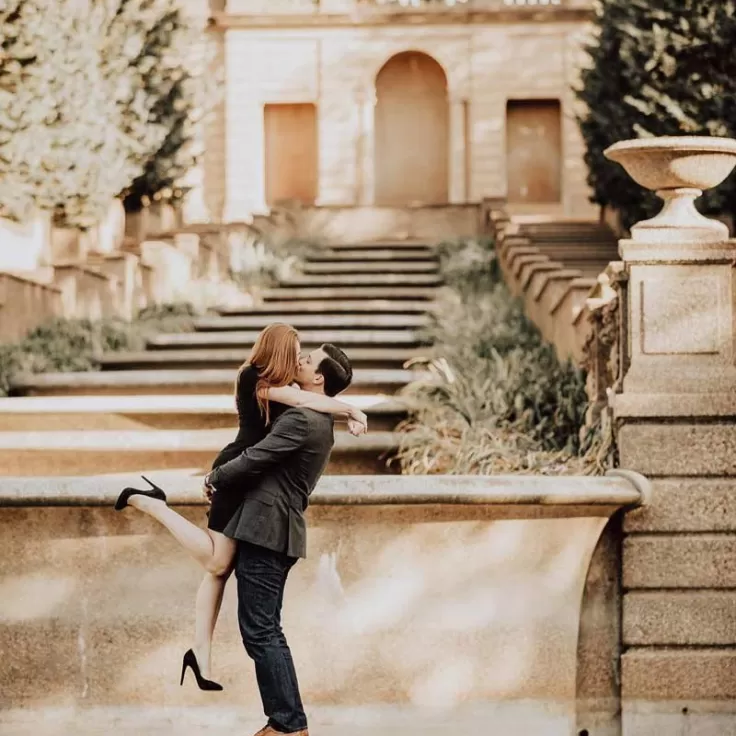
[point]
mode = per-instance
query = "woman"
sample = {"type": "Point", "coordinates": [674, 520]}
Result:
{"type": "Point", "coordinates": [263, 390]}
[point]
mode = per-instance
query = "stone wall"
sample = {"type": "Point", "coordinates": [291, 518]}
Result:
{"type": "Point", "coordinates": [441, 599]}
{"type": "Point", "coordinates": [333, 64]}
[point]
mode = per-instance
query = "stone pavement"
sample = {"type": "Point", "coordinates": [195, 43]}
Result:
{"type": "Point", "coordinates": [504, 719]}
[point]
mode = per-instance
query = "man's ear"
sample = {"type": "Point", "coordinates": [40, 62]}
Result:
{"type": "Point", "coordinates": [319, 379]}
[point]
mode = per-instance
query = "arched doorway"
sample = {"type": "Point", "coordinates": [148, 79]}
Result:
{"type": "Point", "coordinates": [412, 131]}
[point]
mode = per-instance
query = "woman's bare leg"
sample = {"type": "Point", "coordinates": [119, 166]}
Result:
{"type": "Point", "coordinates": [209, 600]}
{"type": "Point", "coordinates": [213, 550]}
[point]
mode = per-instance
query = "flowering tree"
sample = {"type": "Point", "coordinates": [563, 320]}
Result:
{"type": "Point", "coordinates": [90, 92]}
{"type": "Point", "coordinates": [663, 67]}
{"type": "Point", "coordinates": [178, 98]}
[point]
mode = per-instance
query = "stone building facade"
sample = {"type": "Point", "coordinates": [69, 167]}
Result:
{"type": "Point", "coordinates": [358, 102]}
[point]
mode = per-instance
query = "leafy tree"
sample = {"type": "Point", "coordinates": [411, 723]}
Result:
{"type": "Point", "coordinates": [657, 67]}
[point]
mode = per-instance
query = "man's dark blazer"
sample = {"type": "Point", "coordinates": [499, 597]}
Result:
{"type": "Point", "coordinates": [280, 473]}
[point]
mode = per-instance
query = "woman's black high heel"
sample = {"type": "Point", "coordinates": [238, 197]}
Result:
{"type": "Point", "coordinates": [190, 660]}
{"type": "Point", "coordinates": [156, 492]}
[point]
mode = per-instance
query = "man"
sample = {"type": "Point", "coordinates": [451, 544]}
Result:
{"type": "Point", "coordinates": [271, 530]}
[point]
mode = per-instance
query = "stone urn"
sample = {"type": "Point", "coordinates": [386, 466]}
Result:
{"type": "Point", "coordinates": [678, 169]}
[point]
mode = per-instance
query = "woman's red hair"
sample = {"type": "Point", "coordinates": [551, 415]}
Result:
{"type": "Point", "coordinates": [275, 357]}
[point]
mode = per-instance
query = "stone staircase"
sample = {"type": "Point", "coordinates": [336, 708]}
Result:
{"type": "Point", "coordinates": [171, 406]}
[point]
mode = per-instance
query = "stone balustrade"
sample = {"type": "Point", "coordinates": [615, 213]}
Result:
{"type": "Point", "coordinates": [556, 297]}
{"type": "Point", "coordinates": [431, 600]}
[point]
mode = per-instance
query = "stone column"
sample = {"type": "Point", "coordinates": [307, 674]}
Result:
{"type": "Point", "coordinates": [244, 150]}
{"type": "Point", "coordinates": [367, 172]}
{"type": "Point", "coordinates": [676, 423]}
{"type": "Point", "coordinates": [456, 168]}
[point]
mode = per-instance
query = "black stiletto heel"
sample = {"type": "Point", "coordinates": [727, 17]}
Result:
{"type": "Point", "coordinates": [155, 492]}
{"type": "Point", "coordinates": [190, 660]}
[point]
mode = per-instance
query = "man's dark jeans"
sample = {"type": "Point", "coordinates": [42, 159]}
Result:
{"type": "Point", "coordinates": [261, 575]}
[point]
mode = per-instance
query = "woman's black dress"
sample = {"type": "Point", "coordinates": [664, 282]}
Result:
{"type": "Point", "coordinates": [252, 430]}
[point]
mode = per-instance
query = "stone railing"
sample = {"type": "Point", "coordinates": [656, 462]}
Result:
{"type": "Point", "coordinates": [450, 593]}
{"type": "Point", "coordinates": [554, 296]}
{"type": "Point", "coordinates": [116, 269]}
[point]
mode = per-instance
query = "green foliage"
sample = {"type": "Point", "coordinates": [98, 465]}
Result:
{"type": "Point", "coordinates": [499, 400]}
{"type": "Point", "coordinates": [64, 345]}
{"type": "Point", "coordinates": [657, 68]}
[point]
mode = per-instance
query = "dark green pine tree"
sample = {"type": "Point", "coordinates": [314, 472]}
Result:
{"type": "Point", "coordinates": [657, 67]}
{"type": "Point", "coordinates": [173, 88]}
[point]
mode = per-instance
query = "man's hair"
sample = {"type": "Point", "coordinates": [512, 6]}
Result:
{"type": "Point", "coordinates": [336, 369]}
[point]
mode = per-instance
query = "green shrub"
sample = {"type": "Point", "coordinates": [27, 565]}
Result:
{"type": "Point", "coordinates": [499, 399]}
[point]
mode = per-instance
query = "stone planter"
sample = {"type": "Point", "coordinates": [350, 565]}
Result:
{"type": "Point", "coordinates": [678, 169]}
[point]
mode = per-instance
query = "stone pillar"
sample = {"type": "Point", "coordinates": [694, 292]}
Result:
{"type": "Point", "coordinates": [367, 166]}
{"type": "Point", "coordinates": [245, 186]}
{"type": "Point", "coordinates": [676, 423]}
{"type": "Point", "coordinates": [457, 193]}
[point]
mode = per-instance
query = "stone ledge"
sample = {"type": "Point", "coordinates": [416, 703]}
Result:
{"type": "Point", "coordinates": [184, 487]}
{"type": "Point", "coordinates": [84, 452]}
{"type": "Point", "coordinates": [377, 306]}
{"type": "Point", "coordinates": [233, 357]}
{"type": "Point", "coordinates": [367, 279]}
{"type": "Point", "coordinates": [342, 337]}
{"type": "Point", "coordinates": [667, 406]}
{"type": "Point", "coordinates": [185, 377]}
{"type": "Point", "coordinates": [679, 617]}
{"type": "Point", "coordinates": [364, 321]}
{"type": "Point", "coordinates": [177, 404]}
{"type": "Point", "coordinates": [309, 293]}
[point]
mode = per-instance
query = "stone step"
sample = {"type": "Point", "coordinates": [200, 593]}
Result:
{"type": "Point", "coordinates": [362, 279]}
{"type": "Point", "coordinates": [315, 322]}
{"type": "Point", "coordinates": [81, 452]}
{"type": "Point", "coordinates": [341, 338]}
{"type": "Point", "coordinates": [557, 235]}
{"type": "Point", "coordinates": [362, 254]}
{"type": "Point", "coordinates": [182, 382]}
{"type": "Point", "coordinates": [584, 250]}
{"type": "Point", "coordinates": [275, 310]}
{"type": "Point", "coordinates": [158, 411]}
{"type": "Point", "coordinates": [349, 292]}
{"type": "Point", "coordinates": [381, 245]}
{"type": "Point", "coordinates": [365, 358]}
{"type": "Point", "coordinates": [366, 267]}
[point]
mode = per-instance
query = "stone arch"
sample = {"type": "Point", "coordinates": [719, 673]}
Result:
{"type": "Point", "coordinates": [412, 136]}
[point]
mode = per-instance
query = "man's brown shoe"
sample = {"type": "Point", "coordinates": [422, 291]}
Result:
{"type": "Point", "coordinates": [268, 731]}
